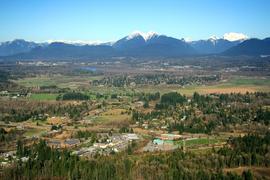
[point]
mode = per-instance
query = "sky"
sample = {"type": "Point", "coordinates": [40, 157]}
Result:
{"type": "Point", "coordinates": [109, 20]}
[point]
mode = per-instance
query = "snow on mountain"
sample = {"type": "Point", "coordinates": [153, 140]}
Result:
{"type": "Point", "coordinates": [139, 43]}
{"type": "Point", "coordinates": [146, 36]}
{"type": "Point", "coordinates": [81, 42]}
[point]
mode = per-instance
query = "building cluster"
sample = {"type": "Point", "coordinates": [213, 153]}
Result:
{"type": "Point", "coordinates": [165, 142]}
{"type": "Point", "coordinates": [68, 143]}
{"type": "Point", "coordinates": [115, 143]}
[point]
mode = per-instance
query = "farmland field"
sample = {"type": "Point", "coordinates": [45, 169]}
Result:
{"type": "Point", "coordinates": [235, 84]}
{"type": "Point", "coordinates": [232, 85]}
{"type": "Point", "coordinates": [61, 81]}
{"type": "Point", "coordinates": [43, 96]}
{"type": "Point", "coordinates": [199, 141]}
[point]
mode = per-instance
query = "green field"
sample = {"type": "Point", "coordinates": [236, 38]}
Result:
{"type": "Point", "coordinates": [61, 81]}
{"type": "Point", "coordinates": [243, 81]}
{"type": "Point", "coordinates": [237, 84]}
{"type": "Point", "coordinates": [43, 96]}
{"type": "Point", "coordinates": [199, 141]}
{"type": "Point", "coordinates": [33, 132]}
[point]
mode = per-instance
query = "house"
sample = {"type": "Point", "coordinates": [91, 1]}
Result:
{"type": "Point", "coordinates": [71, 142]}
{"type": "Point", "coordinates": [100, 145]}
{"type": "Point", "coordinates": [139, 104]}
{"type": "Point", "coordinates": [20, 127]}
{"type": "Point", "coordinates": [131, 137]}
{"type": "Point", "coordinates": [170, 136]}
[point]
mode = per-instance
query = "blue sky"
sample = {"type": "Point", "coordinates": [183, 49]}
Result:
{"type": "Point", "coordinates": [89, 20]}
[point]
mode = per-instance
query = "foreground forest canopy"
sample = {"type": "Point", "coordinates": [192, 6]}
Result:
{"type": "Point", "coordinates": [250, 150]}
{"type": "Point", "coordinates": [189, 118]}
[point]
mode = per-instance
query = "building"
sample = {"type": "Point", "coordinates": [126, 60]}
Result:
{"type": "Point", "coordinates": [169, 137]}
{"type": "Point", "coordinates": [131, 137]}
{"type": "Point", "coordinates": [158, 141]}
{"type": "Point", "coordinates": [71, 142]}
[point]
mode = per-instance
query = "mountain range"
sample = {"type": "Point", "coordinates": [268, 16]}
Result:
{"type": "Point", "coordinates": [16, 46]}
{"type": "Point", "coordinates": [134, 45]}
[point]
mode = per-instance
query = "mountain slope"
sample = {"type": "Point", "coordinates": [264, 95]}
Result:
{"type": "Point", "coordinates": [252, 47]}
{"type": "Point", "coordinates": [213, 45]}
{"type": "Point", "coordinates": [130, 42]}
{"type": "Point", "coordinates": [135, 45]}
{"type": "Point", "coordinates": [152, 45]}
{"type": "Point", "coordinates": [60, 51]}
{"type": "Point", "coordinates": [16, 46]}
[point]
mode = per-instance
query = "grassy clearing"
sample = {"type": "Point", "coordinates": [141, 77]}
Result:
{"type": "Point", "coordinates": [239, 84]}
{"type": "Point", "coordinates": [199, 141]}
{"type": "Point", "coordinates": [111, 117]}
{"type": "Point", "coordinates": [256, 81]}
{"type": "Point", "coordinates": [43, 96]}
{"type": "Point", "coordinates": [233, 85]}
{"type": "Point", "coordinates": [61, 81]}
{"type": "Point", "coordinates": [33, 132]}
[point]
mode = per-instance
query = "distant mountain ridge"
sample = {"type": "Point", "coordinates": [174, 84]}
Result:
{"type": "Point", "coordinates": [134, 45]}
{"type": "Point", "coordinates": [153, 45]}
{"type": "Point", "coordinates": [251, 47]}
{"type": "Point", "coordinates": [213, 45]}
{"type": "Point", "coordinates": [16, 46]}
{"type": "Point", "coordinates": [59, 50]}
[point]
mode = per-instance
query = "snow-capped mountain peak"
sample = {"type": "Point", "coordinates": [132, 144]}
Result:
{"type": "Point", "coordinates": [213, 38]}
{"type": "Point", "coordinates": [146, 36]}
{"type": "Point", "coordinates": [150, 35]}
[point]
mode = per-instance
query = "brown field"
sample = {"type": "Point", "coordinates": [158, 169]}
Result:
{"type": "Point", "coordinates": [64, 135]}
{"type": "Point", "coordinates": [229, 90]}
{"type": "Point", "coordinates": [55, 120]}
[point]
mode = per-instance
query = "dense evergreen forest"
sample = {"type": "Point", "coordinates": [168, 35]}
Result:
{"type": "Point", "coordinates": [73, 96]}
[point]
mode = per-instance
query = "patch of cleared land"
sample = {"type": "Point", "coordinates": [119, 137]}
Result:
{"type": "Point", "coordinates": [199, 141]}
{"type": "Point", "coordinates": [43, 96]}
{"type": "Point", "coordinates": [110, 117]}
{"type": "Point", "coordinates": [61, 81]}
{"type": "Point", "coordinates": [239, 84]}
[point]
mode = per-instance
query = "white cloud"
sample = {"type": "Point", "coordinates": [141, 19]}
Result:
{"type": "Point", "coordinates": [233, 36]}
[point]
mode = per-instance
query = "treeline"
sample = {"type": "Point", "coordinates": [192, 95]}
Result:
{"type": "Point", "coordinates": [149, 96]}
{"type": "Point", "coordinates": [44, 162]}
{"type": "Point", "coordinates": [155, 79]}
{"type": "Point", "coordinates": [6, 136]}
{"type": "Point", "coordinates": [250, 150]}
{"type": "Point", "coordinates": [205, 113]}
{"type": "Point", "coordinates": [86, 135]}
{"type": "Point", "coordinates": [4, 76]}
{"type": "Point", "coordinates": [5, 83]}
{"type": "Point", "coordinates": [18, 111]}
{"type": "Point", "coordinates": [171, 99]}
{"type": "Point", "coordinates": [73, 96]}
